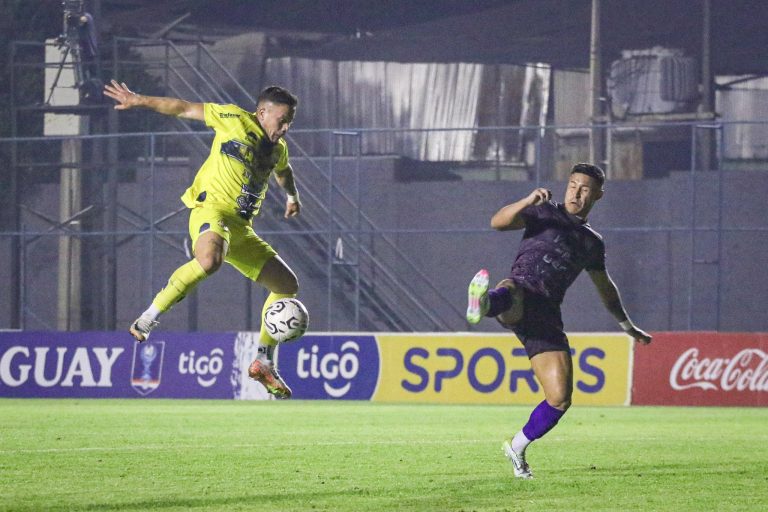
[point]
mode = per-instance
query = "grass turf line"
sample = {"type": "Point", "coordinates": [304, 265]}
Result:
{"type": "Point", "coordinates": [354, 456]}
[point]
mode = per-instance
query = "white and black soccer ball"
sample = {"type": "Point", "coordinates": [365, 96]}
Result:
{"type": "Point", "coordinates": [286, 320]}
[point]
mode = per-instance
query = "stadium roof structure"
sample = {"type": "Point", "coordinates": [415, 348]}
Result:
{"type": "Point", "coordinates": [556, 32]}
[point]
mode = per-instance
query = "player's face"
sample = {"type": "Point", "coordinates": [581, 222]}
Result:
{"type": "Point", "coordinates": [275, 119]}
{"type": "Point", "coordinates": [582, 192]}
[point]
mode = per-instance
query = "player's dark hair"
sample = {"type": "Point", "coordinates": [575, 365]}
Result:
{"type": "Point", "coordinates": [278, 95]}
{"type": "Point", "coordinates": [590, 170]}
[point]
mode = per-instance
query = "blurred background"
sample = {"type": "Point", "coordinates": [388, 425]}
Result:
{"type": "Point", "coordinates": [417, 121]}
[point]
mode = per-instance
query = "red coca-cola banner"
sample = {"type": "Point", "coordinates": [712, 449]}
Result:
{"type": "Point", "coordinates": [702, 368]}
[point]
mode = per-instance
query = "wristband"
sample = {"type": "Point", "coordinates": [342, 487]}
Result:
{"type": "Point", "coordinates": [626, 325]}
{"type": "Point", "coordinates": [293, 198]}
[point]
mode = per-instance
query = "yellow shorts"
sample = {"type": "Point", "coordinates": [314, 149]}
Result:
{"type": "Point", "coordinates": [245, 250]}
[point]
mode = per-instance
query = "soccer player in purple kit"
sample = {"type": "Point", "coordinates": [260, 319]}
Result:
{"type": "Point", "coordinates": [557, 245]}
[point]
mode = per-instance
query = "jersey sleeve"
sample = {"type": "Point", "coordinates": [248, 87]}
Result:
{"type": "Point", "coordinates": [596, 260]}
{"type": "Point", "coordinates": [282, 163]}
{"type": "Point", "coordinates": [533, 214]}
{"type": "Point", "coordinates": [218, 116]}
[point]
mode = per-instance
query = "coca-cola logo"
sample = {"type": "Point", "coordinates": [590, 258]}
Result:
{"type": "Point", "coordinates": [747, 370]}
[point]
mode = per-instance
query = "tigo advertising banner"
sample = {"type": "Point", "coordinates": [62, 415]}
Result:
{"type": "Point", "coordinates": [331, 366]}
{"type": "Point", "coordinates": [702, 368]}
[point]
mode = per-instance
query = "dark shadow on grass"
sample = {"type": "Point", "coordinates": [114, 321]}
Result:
{"type": "Point", "coordinates": [254, 501]}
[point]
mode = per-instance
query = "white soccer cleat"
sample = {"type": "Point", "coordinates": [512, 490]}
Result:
{"type": "Point", "coordinates": [141, 328]}
{"type": "Point", "coordinates": [519, 466]}
{"type": "Point", "coordinates": [477, 297]}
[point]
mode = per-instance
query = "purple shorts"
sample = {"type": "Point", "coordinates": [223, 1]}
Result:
{"type": "Point", "coordinates": [541, 327]}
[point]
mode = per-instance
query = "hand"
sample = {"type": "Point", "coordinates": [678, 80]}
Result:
{"type": "Point", "coordinates": [125, 97]}
{"type": "Point", "coordinates": [539, 196]}
{"type": "Point", "coordinates": [639, 335]}
{"type": "Point", "coordinates": [292, 209]}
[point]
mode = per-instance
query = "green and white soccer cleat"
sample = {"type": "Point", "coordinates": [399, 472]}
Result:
{"type": "Point", "coordinates": [519, 466]}
{"type": "Point", "coordinates": [477, 297]}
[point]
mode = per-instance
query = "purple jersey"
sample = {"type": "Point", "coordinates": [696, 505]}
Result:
{"type": "Point", "coordinates": [556, 247]}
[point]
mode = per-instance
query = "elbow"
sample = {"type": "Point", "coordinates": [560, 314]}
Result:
{"type": "Point", "coordinates": [501, 224]}
{"type": "Point", "coordinates": [497, 224]}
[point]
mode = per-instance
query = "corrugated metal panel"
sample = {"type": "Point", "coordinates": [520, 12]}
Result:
{"type": "Point", "coordinates": [358, 94]}
{"type": "Point", "coordinates": [745, 101]}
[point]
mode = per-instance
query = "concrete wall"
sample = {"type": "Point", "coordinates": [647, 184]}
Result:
{"type": "Point", "coordinates": [669, 278]}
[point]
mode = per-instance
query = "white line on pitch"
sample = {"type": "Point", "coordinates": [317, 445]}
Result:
{"type": "Point", "coordinates": [219, 447]}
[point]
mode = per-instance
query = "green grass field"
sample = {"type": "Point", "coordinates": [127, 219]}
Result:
{"type": "Point", "coordinates": [356, 456]}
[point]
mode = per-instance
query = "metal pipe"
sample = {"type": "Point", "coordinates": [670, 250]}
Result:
{"type": "Point", "coordinates": [595, 89]}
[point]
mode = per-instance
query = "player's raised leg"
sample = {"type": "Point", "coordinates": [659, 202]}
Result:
{"type": "Point", "coordinates": [506, 303]}
{"type": "Point", "coordinates": [282, 283]}
{"type": "Point", "coordinates": [502, 302]}
{"type": "Point", "coordinates": [554, 370]}
{"type": "Point", "coordinates": [210, 249]}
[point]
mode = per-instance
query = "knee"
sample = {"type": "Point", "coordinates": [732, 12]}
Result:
{"type": "Point", "coordinates": [560, 402]}
{"type": "Point", "coordinates": [560, 399]}
{"type": "Point", "coordinates": [289, 286]}
{"type": "Point", "coordinates": [210, 262]}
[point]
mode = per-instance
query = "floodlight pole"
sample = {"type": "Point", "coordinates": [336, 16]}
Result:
{"type": "Point", "coordinates": [596, 151]}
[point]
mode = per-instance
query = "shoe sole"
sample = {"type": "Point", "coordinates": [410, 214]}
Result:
{"type": "Point", "coordinates": [477, 288]}
{"type": "Point", "coordinates": [137, 335]}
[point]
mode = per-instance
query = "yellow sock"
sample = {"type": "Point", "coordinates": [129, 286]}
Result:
{"type": "Point", "coordinates": [264, 337]}
{"type": "Point", "coordinates": [182, 281]}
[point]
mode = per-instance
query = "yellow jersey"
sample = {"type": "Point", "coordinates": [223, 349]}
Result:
{"type": "Point", "coordinates": [235, 176]}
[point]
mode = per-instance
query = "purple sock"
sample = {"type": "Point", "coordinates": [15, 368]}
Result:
{"type": "Point", "coordinates": [543, 418]}
{"type": "Point", "coordinates": [499, 300]}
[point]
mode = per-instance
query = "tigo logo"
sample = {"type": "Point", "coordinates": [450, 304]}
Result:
{"type": "Point", "coordinates": [333, 367]}
{"type": "Point", "coordinates": [205, 368]}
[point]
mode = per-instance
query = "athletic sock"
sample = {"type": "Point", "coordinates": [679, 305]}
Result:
{"type": "Point", "coordinates": [182, 281]}
{"type": "Point", "coordinates": [266, 352]}
{"type": "Point", "coordinates": [520, 443]}
{"type": "Point", "coordinates": [152, 312]}
{"type": "Point", "coordinates": [264, 337]}
{"type": "Point", "coordinates": [499, 300]}
{"type": "Point", "coordinates": [543, 418]}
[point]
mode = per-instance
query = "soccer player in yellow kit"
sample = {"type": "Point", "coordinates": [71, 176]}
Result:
{"type": "Point", "coordinates": [225, 195]}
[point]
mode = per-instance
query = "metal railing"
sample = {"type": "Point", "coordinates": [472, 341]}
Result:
{"type": "Point", "coordinates": [381, 283]}
{"type": "Point", "coordinates": [359, 291]}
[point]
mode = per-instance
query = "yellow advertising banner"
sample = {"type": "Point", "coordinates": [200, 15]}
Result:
{"type": "Point", "coordinates": [494, 369]}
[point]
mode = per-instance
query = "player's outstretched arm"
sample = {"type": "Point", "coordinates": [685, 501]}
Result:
{"type": "Point", "coordinates": [127, 99]}
{"type": "Point", "coordinates": [509, 218]}
{"type": "Point", "coordinates": [609, 294]}
{"type": "Point", "coordinates": [288, 183]}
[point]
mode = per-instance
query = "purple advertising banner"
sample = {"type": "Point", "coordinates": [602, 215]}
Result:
{"type": "Point", "coordinates": [112, 365]}
{"type": "Point", "coordinates": [337, 366]}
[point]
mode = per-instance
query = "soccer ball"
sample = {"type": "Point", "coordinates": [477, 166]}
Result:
{"type": "Point", "coordinates": [286, 320]}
